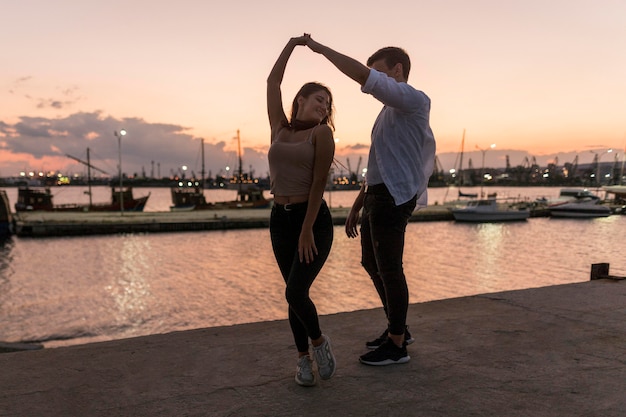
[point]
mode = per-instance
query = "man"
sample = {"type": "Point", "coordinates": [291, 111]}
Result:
{"type": "Point", "coordinates": [400, 163]}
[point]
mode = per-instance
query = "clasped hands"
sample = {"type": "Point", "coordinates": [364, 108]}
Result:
{"type": "Point", "coordinates": [306, 40]}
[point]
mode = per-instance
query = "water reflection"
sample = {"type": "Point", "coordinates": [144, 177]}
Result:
{"type": "Point", "coordinates": [130, 290]}
{"type": "Point", "coordinates": [489, 237]}
{"type": "Point", "coordinates": [6, 248]}
{"type": "Point", "coordinates": [79, 290]}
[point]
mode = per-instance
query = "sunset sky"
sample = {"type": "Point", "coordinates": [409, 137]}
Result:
{"type": "Point", "coordinates": [537, 78]}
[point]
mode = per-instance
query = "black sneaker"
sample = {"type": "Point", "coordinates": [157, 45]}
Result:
{"type": "Point", "coordinates": [386, 354]}
{"type": "Point", "coordinates": [375, 344]}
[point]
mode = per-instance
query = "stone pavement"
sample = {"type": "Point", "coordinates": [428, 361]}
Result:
{"type": "Point", "coordinates": [553, 351]}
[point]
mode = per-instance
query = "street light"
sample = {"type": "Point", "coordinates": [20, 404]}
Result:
{"type": "Point", "coordinates": [119, 167]}
{"type": "Point", "coordinates": [482, 170]}
{"type": "Point", "coordinates": [598, 155]}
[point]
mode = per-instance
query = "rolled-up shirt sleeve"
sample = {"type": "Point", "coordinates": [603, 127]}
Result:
{"type": "Point", "coordinates": [388, 91]}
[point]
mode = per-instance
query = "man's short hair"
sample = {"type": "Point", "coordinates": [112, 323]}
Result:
{"type": "Point", "coordinates": [392, 55]}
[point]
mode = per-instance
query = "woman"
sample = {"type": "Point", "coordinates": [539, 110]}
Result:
{"type": "Point", "coordinates": [301, 227]}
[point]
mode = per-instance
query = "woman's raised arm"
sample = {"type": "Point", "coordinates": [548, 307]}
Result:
{"type": "Point", "coordinates": [275, 109]}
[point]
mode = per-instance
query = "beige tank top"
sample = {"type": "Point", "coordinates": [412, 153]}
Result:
{"type": "Point", "coordinates": [291, 167]}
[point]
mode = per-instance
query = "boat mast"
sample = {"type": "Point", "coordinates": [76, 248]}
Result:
{"type": "Point", "coordinates": [89, 166]}
{"type": "Point", "coordinates": [460, 174]}
{"type": "Point", "coordinates": [202, 172]}
{"type": "Point", "coordinates": [89, 177]}
{"type": "Point", "coordinates": [240, 168]}
{"type": "Point", "coordinates": [621, 172]}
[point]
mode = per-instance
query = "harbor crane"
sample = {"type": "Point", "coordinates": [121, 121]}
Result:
{"type": "Point", "coordinates": [358, 168]}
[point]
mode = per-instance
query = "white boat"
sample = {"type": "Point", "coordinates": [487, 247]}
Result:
{"type": "Point", "coordinates": [569, 195]}
{"type": "Point", "coordinates": [618, 190]}
{"type": "Point", "coordinates": [575, 194]}
{"type": "Point", "coordinates": [581, 209]}
{"type": "Point", "coordinates": [615, 198]}
{"type": "Point", "coordinates": [482, 211]}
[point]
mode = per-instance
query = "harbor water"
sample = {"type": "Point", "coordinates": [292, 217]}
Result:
{"type": "Point", "coordinates": [70, 290]}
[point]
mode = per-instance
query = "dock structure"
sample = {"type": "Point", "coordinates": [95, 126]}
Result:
{"type": "Point", "coordinates": [552, 351]}
{"type": "Point", "coordinates": [48, 223]}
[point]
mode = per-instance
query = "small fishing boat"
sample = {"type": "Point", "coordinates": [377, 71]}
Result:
{"type": "Point", "coordinates": [33, 199]}
{"type": "Point", "coordinates": [192, 198]}
{"type": "Point", "coordinates": [489, 210]}
{"type": "Point", "coordinates": [189, 195]}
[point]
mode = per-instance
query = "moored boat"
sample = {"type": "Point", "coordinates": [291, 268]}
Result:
{"type": "Point", "coordinates": [577, 203]}
{"type": "Point", "coordinates": [192, 198]}
{"type": "Point", "coordinates": [34, 199]}
{"type": "Point", "coordinates": [576, 194]}
{"type": "Point", "coordinates": [617, 201]}
{"type": "Point", "coordinates": [582, 208]}
{"type": "Point", "coordinates": [6, 219]}
{"type": "Point", "coordinates": [489, 210]}
{"type": "Point", "coordinates": [568, 195]}
{"type": "Point", "coordinates": [618, 192]}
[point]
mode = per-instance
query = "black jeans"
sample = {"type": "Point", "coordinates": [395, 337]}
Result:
{"type": "Point", "coordinates": [383, 226]}
{"type": "Point", "coordinates": [285, 227]}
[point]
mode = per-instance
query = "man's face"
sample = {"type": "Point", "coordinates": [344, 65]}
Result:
{"type": "Point", "coordinates": [381, 67]}
{"type": "Point", "coordinates": [395, 72]}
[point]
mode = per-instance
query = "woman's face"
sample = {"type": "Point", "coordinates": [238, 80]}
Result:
{"type": "Point", "coordinates": [314, 107]}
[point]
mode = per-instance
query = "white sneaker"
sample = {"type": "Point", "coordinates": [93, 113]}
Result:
{"type": "Point", "coordinates": [325, 359]}
{"type": "Point", "coordinates": [304, 372]}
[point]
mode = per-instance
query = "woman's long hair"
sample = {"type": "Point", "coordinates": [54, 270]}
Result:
{"type": "Point", "coordinates": [305, 91]}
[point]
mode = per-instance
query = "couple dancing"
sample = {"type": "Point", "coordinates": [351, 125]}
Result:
{"type": "Point", "coordinates": [400, 163]}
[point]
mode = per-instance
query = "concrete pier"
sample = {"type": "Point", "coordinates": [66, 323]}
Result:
{"type": "Point", "coordinates": [42, 223]}
{"type": "Point", "coordinates": [553, 351]}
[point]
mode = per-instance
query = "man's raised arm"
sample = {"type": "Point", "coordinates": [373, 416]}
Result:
{"type": "Point", "coordinates": [349, 66]}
